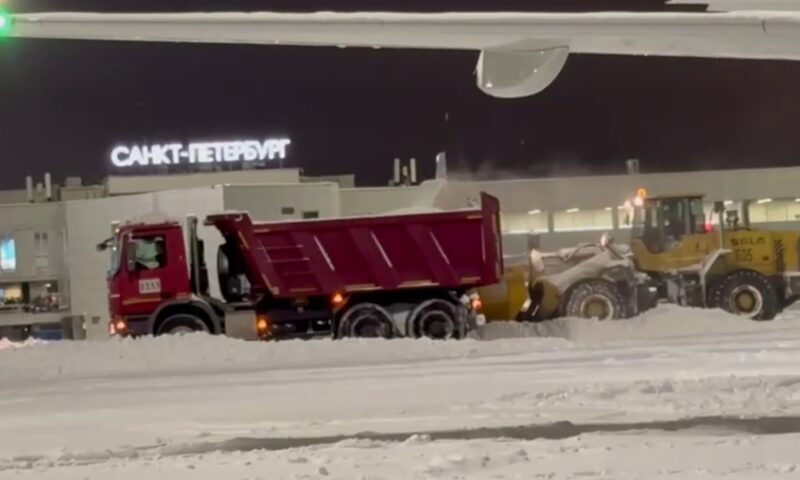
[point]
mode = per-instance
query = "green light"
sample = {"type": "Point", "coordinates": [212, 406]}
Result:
{"type": "Point", "coordinates": [5, 23]}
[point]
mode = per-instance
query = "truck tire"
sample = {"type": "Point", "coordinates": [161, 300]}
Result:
{"type": "Point", "coordinates": [180, 324]}
{"type": "Point", "coordinates": [746, 293]}
{"type": "Point", "coordinates": [596, 299]}
{"type": "Point", "coordinates": [435, 319]}
{"type": "Point", "coordinates": [366, 320]}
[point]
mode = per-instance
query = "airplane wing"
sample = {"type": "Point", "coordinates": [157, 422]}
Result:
{"type": "Point", "coordinates": [521, 53]}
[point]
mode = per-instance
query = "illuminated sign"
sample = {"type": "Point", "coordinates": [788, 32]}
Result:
{"type": "Point", "coordinates": [124, 156]}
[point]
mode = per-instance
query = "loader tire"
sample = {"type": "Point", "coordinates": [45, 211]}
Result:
{"type": "Point", "coordinates": [746, 293]}
{"type": "Point", "coordinates": [596, 299]}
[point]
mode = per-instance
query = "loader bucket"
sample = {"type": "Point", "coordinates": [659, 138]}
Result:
{"type": "Point", "coordinates": [503, 301]}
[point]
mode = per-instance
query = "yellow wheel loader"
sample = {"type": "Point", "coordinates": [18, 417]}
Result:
{"type": "Point", "coordinates": [676, 254]}
{"type": "Point", "coordinates": [715, 262]}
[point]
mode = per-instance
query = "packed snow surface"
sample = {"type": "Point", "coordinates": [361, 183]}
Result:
{"type": "Point", "coordinates": [675, 393]}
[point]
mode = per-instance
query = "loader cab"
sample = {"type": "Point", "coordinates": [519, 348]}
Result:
{"type": "Point", "coordinates": [670, 232]}
{"type": "Point", "coordinates": [662, 223]}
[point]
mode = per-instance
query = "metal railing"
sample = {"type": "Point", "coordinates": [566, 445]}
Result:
{"type": "Point", "coordinates": [43, 304]}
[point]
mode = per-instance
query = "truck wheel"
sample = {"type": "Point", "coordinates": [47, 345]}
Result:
{"type": "Point", "coordinates": [435, 319]}
{"type": "Point", "coordinates": [595, 299]}
{"type": "Point", "coordinates": [366, 320]}
{"type": "Point", "coordinates": [180, 324]}
{"type": "Point", "coordinates": [747, 294]}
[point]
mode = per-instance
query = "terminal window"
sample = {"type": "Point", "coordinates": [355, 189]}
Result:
{"type": "Point", "coordinates": [578, 220]}
{"type": "Point", "coordinates": [534, 221]}
{"type": "Point", "coordinates": [10, 293]}
{"type": "Point", "coordinates": [41, 246]}
{"type": "Point", "coordinates": [8, 253]}
{"type": "Point", "coordinates": [769, 211]}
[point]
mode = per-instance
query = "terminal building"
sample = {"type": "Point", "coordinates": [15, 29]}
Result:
{"type": "Point", "coordinates": [52, 278]}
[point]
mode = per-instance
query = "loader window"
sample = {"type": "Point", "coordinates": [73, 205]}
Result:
{"type": "Point", "coordinates": [698, 216]}
{"type": "Point", "coordinates": [675, 225]}
{"type": "Point", "coordinates": [649, 231]}
{"type": "Point", "coordinates": [674, 218]}
{"type": "Point", "coordinates": [665, 224]}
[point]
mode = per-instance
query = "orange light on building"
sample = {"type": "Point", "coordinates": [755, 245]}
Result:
{"type": "Point", "coordinates": [641, 193]}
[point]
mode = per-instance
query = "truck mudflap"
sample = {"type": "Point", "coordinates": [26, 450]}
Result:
{"type": "Point", "coordinates": [465, 321]}
{"type": "Point", "coordinates": [472, 321]}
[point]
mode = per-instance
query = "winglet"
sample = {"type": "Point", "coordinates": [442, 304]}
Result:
{"type": "Point", "coordinates": [744, 5]}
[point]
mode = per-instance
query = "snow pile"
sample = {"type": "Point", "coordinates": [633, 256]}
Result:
{"type": "Point", "coordinates": [212, 354]}
{"type": "Point", "coordinates": [636, 456]}
{"type": "Point", "coordinates": [70, 405]}
{"type": "Point", "coordinates": [34, 361]}
{"type": "Point", "coordinates": [664, 322]}
{"type": "Point", "coordinates": [6, 344]}
{"type": "Point", "coordinates": [589, 268]}
{"type": "Point", "coordinates": [154, 216]}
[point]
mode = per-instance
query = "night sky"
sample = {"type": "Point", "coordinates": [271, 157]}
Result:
{"type": "Point", "coordinates": [63, 105]}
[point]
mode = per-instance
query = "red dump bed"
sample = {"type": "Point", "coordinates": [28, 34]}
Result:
{"type": "Point", "coordinates": [450, 249]}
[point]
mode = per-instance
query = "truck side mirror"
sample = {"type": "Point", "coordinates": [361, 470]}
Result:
{"type": "Point", "coordinates": [130, 255]}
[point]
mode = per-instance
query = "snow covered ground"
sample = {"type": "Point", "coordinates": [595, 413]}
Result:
{"type": "Point", "coordinates": [674, 394]}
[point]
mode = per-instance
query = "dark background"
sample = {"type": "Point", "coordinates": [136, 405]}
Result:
{"type": "Point", "coordinates": [64, 104]}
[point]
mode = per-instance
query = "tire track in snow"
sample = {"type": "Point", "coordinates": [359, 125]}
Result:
{"type": "Point", "coordinates": [723, 426]}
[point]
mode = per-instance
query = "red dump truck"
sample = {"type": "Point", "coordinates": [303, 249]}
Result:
{"type": "Point", "coordinates": [409, 275]}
